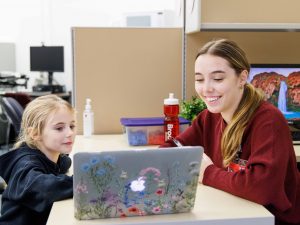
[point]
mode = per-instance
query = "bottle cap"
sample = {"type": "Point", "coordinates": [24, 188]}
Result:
{"type": "Point", "coordinates": [88, 104]}
{"type": "Point", "coordinates": [171, 100]}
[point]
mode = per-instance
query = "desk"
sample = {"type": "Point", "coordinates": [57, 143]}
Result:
{"type": "Point", "coordinates": [297, 151]}
{"type": "Point", "coordinates": [212, 206]}
{"type": "Point", "coordinates": [66, 95]}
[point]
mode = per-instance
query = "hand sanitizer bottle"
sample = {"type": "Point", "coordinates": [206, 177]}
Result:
{"type": "Point", "coordinates": [88, 119]}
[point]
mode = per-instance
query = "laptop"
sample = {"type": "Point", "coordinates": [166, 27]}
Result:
{"type": "Point", "coordinates": [135, 182]}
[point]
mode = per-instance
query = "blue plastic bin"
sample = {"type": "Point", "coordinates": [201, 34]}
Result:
{"type": "Point", "coordinates": [147, 130]}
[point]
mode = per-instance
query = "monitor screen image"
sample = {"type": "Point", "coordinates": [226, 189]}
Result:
{"type": "Point", "coordinates": [281, 85]}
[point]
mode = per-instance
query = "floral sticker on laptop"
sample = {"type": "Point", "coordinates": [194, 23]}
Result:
{"type": "Point", "coordinates": [146, 193]}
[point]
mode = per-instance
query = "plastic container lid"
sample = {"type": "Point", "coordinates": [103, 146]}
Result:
{"type": "Point", "coordinates": [148, 121]}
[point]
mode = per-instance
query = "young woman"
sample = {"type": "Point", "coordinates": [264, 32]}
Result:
{"type": "Point", "coordinates": [34, 171]}
{"type": "Point", "coordinates": [248, 146]}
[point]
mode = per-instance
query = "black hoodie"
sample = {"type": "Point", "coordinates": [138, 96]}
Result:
{"type": "Point", "coordinates": [33, 183]}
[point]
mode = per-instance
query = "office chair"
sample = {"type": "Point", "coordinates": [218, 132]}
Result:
{"type": "Point", "coordinates": [21, 97]}
{"type": "Point", "coordinates": [13, 111]}
{"type": "Point", "coordinates": [4, 130]}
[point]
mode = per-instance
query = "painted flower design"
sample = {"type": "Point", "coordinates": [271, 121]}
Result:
{"type": "Point", "coordinates": [110, 159]}
{"type": "Point", "coordinates": [85, 167]}
{"type": "Point", "coordinates": [194, 164]}
{"type": "Point", "coordinates": [133, 210]}
{"type": "Point", "coordinates": [101, 172]}
{"type": "Point", "coordinates": [94, 160]}
{"type": "Point", "coordinates": [123, 175]}
{"type": "Point", "coordinates": [150, 170]}
{"type": "Point", "coordinates": [159, 191]}
{"type": "Point", "coordinates": [161, 183]}
{"type": "Point", "coordinates": [81, 188]}
{"type": "Point", "coordinates": [146, 192]}
{"type": "Point", "coordinates": [156, 210]}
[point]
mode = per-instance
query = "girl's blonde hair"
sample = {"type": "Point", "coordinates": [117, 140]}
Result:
{"type": "Point", "coordinates": [35, 116]}
{"type": "Point", "coordinates": [252, 98]}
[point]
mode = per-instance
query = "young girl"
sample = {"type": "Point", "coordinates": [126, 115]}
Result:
{"type": "Point", "coordinates": [248, 146]}
{"type": "Point", "coordinates": [35, 170]}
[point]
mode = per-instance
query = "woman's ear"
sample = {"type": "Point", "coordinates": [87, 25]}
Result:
{"type": "Point", "coordinates": [243, 77]}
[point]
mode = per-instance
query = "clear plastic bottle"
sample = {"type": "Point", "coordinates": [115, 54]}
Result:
{"type": "Point", "coordinates": [88, 119]}
{"type": "Point", "coordinates": [171, 121]}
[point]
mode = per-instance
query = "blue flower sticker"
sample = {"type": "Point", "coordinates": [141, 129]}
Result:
{"type": "Point", "coordinates": [109, 159]}
{"type": "Point", "coordinates": [85, 167]}
{"type": "Point", "coordinates": [94, 160]}
{"type": "Point", "coordinates": [101, 172]}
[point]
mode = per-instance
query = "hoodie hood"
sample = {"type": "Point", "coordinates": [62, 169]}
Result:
{"type": "Point", "coordinates": [9, 160]}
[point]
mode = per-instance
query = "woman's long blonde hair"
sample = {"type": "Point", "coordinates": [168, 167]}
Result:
{"type": "Point", "coordinates": [252, 98]}
{"type": "Point", "coordinates": [35, 116]}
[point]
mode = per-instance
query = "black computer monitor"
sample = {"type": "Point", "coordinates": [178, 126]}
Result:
{"type": "Point", "coordinates": [47, 59]}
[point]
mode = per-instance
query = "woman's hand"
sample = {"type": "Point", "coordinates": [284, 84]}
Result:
{"type": "Point", "coordinates": [206, 161]}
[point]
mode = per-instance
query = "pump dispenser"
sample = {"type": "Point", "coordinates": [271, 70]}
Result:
{"type": "Point", "coordinates": [171, 121]}
{"type": "Point", "coordinates": [88, 119]}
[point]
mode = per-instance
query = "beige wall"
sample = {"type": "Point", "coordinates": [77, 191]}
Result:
{"type": "Point", "coordinates": [127, 72]}
{"type": "Point", "coordinates": [260, 47]}
{"type": "Point", "coordinates": [254, 11]}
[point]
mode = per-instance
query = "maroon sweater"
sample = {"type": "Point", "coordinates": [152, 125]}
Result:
{"type": "Point", "coordinates": [271, 177]}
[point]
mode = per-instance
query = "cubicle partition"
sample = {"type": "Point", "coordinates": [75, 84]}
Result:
{"type": "Point", "coordinates": [260, 47]}
{"type": "Point", "coordinates": [126, 72]}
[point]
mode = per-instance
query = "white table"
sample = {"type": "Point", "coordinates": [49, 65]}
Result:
{"type": "Point", "coordinates": [297, 151]}
{"type": "Point", "coordinates": [212, 206]}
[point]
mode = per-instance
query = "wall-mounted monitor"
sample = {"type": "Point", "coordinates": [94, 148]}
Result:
{"type": "Point", "coordinates": [47, 59]}
{"type": "Point", "coordinates": [7, 57]}
{"type": "Point", "coordinates": [281, 85]}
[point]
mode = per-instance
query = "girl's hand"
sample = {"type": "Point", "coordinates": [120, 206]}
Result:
{"type": "Point", "coordinates": [206, 161]}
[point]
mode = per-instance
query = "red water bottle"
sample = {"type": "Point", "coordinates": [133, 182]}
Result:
{"type": "Point", "coordinates": [171, 122]}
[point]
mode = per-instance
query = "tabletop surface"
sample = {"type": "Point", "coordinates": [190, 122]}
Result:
{"type": "Point", "coordinates": [297, 151]}
{"type": "Point", "coordinates": [212, 206]}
